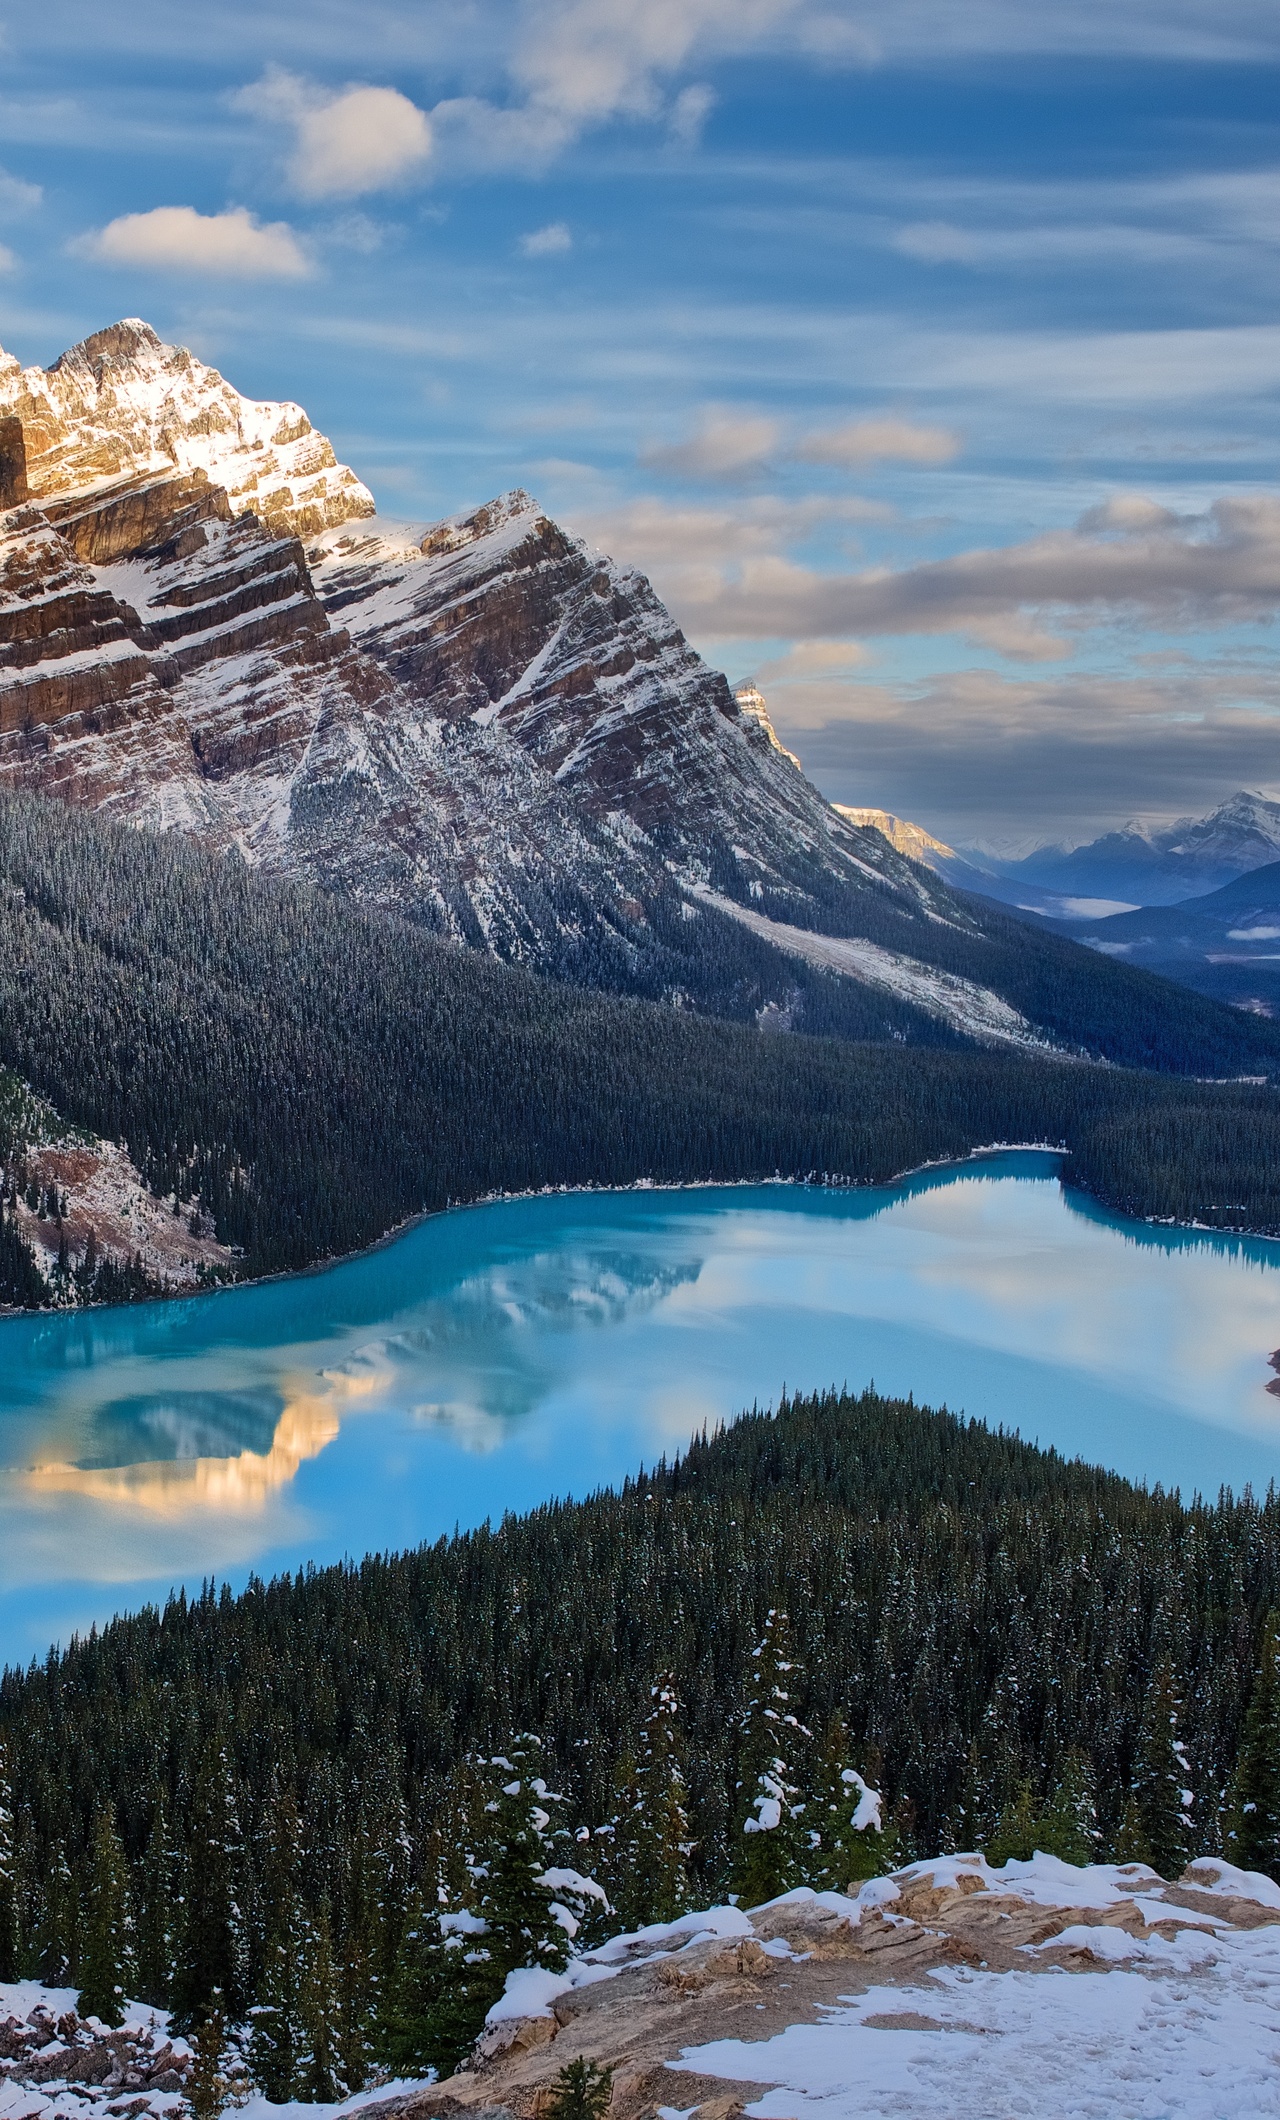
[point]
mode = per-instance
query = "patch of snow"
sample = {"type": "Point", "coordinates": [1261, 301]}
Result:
{"type": "Point", "coordinates": [529, 1992]}
{"type": "Point", "coordinates": [975, 1010]}
{"type": "Point", "coordinates": [1198, 2042]}
{"type": "Point", "coordinates": [1211, 1874]}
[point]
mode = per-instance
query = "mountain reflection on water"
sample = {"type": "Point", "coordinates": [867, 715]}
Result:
{"type": "Point", "coordinates": [494, 1357]}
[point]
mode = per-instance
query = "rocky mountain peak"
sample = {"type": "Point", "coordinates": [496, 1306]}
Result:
{"type": "Point", "coordinates": [458, 531]}
{"type": "Point", "coordinates": [482, 724]}
{"type": "Point", "coordinates": [122, 404]}
{"type": "Point", "coordinates": [752, 702]}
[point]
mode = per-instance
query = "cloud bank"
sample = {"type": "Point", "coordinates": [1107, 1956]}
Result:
{"type": "Point", "coordinates": [1127, 559]}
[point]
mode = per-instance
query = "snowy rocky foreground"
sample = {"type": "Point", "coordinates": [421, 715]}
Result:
{"type": "Point", "coordinates": [53, 2061]}
{"type": "Point", "coordinates": [1039, 1989]}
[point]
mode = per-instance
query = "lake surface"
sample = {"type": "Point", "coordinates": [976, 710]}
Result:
{"type": "Point", "coordinates": [499, 1355]}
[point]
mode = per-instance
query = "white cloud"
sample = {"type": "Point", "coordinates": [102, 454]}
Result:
{"type": "Point", "coordinates": [8, 262]}
{"type": "Point", "coordinates": [591, 60]}
{"type": "Point", "coordinates": [728, 574]}
{"type": "Point", "coordinates": [689, 113]}
{"type": "Point", "coordinates": [361, 140]}
{"type": "Point", "coordinates": [355, 231]}
{"type": "Point", "coordinates": [178, 239]}
{"type": "Point", "coordinates": [813, 659]}
{"type": "Point", "coordinates": [16, 196]}
{"type": "Point", "coordinates": [725, 445]}
{"type": "Point", "coordinates": [883, 441]}
{"type": "Point", "coordinates": [1216, 569]}
{"type": "Point", "coordinates": [1127, 512]}
{"type": "Point", "coordinates": [935, 243]}
{"type": "Point", "coordinates": [728, 444]}
{"type": "Point", "coordinates": [553, 241]}
{"type": "Point", "coordinates": [973, 755]}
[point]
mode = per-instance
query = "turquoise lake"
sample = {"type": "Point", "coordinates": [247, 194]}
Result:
{"type": "Point", "coordinates": [494, 1357]}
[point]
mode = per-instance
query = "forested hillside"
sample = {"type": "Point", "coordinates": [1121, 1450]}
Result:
{"type": "Point", "coordinates": [304, 1076]}
{"type": "Point", "coordinates": [1016, 1650]}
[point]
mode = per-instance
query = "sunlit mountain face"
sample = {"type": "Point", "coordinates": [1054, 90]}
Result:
{"type": "Point", "coordinates": [922, 358]}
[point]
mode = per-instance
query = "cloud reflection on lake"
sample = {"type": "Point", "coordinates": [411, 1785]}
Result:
{"type": "Point", "coordinates": [492, 1358]}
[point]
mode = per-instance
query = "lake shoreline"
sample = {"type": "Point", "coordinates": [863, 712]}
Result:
{"type": "Point", "coordinates": [541, 1192]}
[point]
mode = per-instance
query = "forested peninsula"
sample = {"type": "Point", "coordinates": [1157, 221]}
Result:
{"type": "Point", "coordinates": [277, 1799]}
{"type": "Point", "coordinates": [300, 1076]}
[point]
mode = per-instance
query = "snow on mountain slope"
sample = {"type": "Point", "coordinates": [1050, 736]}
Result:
{"type": "Point", "coordinates": [480, 724]}
{"type": "Point", "coordinates": [122, 405]}
{"type": "Point", "coordinates": [972, 1009]}
{"type": "Point", "coordinates": [910, 839]}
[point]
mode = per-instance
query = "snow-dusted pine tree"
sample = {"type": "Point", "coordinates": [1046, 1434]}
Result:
{"type": "Point", "coordinates": [771, 1842]}
{"type": "Point", "coordinates": [105, 1936]}
{"type": "Point", "coordinates": [1158, 1815]}
{"type": "Point", "coordinates": [1253, 1817]}
{"type": "Point", "coordinates": [1068, 1824]}
{"type": "Point", "coordinates": [276, 2038]}
{"type": "Point", "coordinates": [210, 1957]}
{"type": "Point", "coordinates": [647, 1843]}
{"type": "Point", "coordinates": [526, 1899]}
{"type": "Point", "coordinates": [8, 1877]}
{"type": "Point", "coordinates": [154, 1897]}
{"type": "Point", "coordinates": [441, 1985]}
{"type": "Point", "coordinates": [848, 1834]}
{"type": "Point", "coordinates": [319, 2076]}
{"type": "Point", "coordinates": [57, 1922]}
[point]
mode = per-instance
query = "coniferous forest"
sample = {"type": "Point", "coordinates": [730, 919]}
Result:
{"type": "Point", "coordinates": [305, 1076]}
{"type": "Point", "coordinates": [285, 1804]}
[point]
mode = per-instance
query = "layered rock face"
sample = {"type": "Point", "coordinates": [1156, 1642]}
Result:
{"type": "Point", "coordinates": [483, 725]}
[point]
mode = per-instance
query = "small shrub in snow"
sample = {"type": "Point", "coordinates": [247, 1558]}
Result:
{"type": "Point", "coordinates": [583, 2090]}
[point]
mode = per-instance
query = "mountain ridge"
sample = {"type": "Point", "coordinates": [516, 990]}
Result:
{"type": "Point", "coordinates": [481, 724]}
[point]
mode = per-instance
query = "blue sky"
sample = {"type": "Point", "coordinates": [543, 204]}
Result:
{"type": "Point", "coordinates": [924, 354]}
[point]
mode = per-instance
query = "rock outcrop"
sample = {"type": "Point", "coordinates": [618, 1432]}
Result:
{"type": "Point", "coordinates": [689, 2017]}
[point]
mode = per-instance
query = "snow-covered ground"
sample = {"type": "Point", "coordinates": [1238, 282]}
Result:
{"type": "Point", "coordinates": [1164, 2027]}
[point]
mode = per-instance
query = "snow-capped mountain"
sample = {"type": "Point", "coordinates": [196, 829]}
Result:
{"type": "Point", "coordinates": [1145, 865]}
{"type": "Point", "coordinates": [486, 725]}
{"type": "Point", "coordinates": [480, 724]}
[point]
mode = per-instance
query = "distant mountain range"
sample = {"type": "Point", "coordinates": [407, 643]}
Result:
{"type": "Point", "coordinates": [1226, 943]}
{"type": "Point", "coordinates": [1139, 865]}
{"type": "Point", "coordinates": [1222, 940]}
{"type": "Point", "coordinates": [478, 724]}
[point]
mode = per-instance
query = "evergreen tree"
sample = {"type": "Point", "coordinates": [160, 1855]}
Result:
{"type": "Point", "coordinates": [648, 1842]}
{"type": "Point", "coordinates": [8, 1876]}
{"type": "Point", "coordinates": [57, 1923]}
{"type": "Point", "coordinates": [581, 2091]}
{"type": "Point", "coordinates": [525, 1918]}
{"type": "Point", "coordinates": [276, 2037]}
{"type": "Point", "coordinates": [1068, 1825]}
{"type": "Point", "coordinates": [210, 1954]}
{"type": "Point", "coordinates": [105, 1936]}
{"type": "Point", "coordinates": [772, 1842]}
{"type": "Point", "coordinates": [209, 2088]}
{"type": "Point", "coordinates": [1253, 1820]}
{"type": "Point", "coordinates": [319, 2070]}
{"type": "Point", "coordinates": [849, 1836]}
{"type": "Point", "coordinates": [154, 1900]}
{"type": "Point", "coordinates": [1016, 1831]}
{"type": "Point", "coordinates": [442, 1985]}
{"type": "Point", "coordinates": [1159, 1787]}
